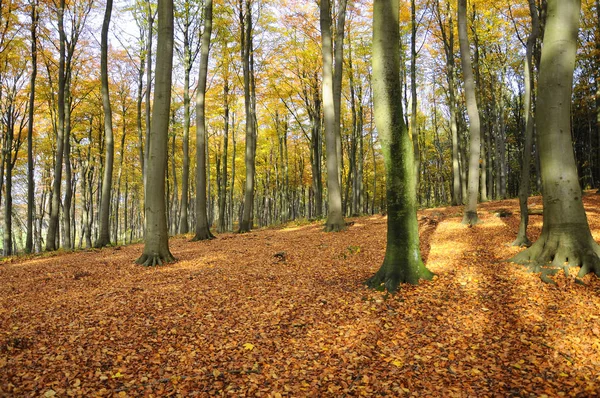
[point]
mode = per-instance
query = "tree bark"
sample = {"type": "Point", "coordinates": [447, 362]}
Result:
{"type": "Point", "coordinates": [470, 216]}
{"type": "Point", "coordinates": [156, 247]}
{"type": "Point", "coordinates": [109, 145]}
{"type": "Point", "coordinates": [202, 225]}
{"type": "Point", "coordinates": [30, 169]}
{"type": "Point", "coordinates": [247, 60]}
{"type": "Point", "coordinates": [402, 262]}
{"type": "Point", "coordinates": [335, 218]}
{"type": "Point", "coordinates": [413, 91]}
{"type": "Point", "coordinates": [566, 240]}
{"type": "Point", "coordinates": [522, 238]}
{"type": "Point", "coordinates": [58, 160]}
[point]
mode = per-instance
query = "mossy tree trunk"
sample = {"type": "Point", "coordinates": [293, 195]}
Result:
{"type": "Point", "coordinates": [402, 263]}
{"type": "Point", "coordinates": [156, 248]}
{"type": "Point", "coordinates": [566, 240]}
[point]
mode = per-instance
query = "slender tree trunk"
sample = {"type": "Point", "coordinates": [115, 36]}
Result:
{"type": "Point", "coordinates": [185, 175]}
{"type": "Point", "coordinates": [156, 248]}
{"type": "Point", "coordinates": [67, 244]}
{"type": "Point", "coordinates": [522, 238]}
{"type": "Point", "coordinates": [246, 46]}
{"type": "Point", "coordinates": [470, 216]}
{"type": "Point", "coordinates": [402, 262]}
{"type": "Point", "coordinates": [58, 160]}
{"type": "Point", "coordinates": [337, 80]}
{"type": "Point", "coordinates": [223, 186]}
{"type": "Point", "coordinates": [202, 225]}
{"type": "Point", "coordinates": [335, 218]}
{"type": "Point", "coordinates": [413, 91]}
{"type": "Point", "coordinates": [109, 145]}
{"type": "Point", "coordinates": [150, 33]}
{"type": "Point", "coordinates": [30, 169]}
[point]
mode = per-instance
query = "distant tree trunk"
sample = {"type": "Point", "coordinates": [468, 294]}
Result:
{"type": "Point", "coordinates": [156, 248]}
{"type": "Point", "coordinates": [402, 262]}
{"type": "Point", "coordinates": [522, 239]}
{"type": "Point", "coordinates": [30, 169]}
{"type": "Point", "coordinates": [232, 186]}
{"type": "Point", "coordinates": [140, 99]}
{"type": "Point", "coordinates": [335, 218]}
{"type": "Point", "coordinates": [202, 225]}
{"type": "Point", "coordinates": [448, 40]}
{"type": "Point", "coordinates": [109, 145]}
{"type": "Point", "coordinates": [58, 160]}
{"type": "Point", "coordinates": [222, 227]}
{"type": "Point", "coordinates": [470, 216]}
{"type": "Point", "coordinates": [8, 168]}
{"type": "Point", "coordinates": [247, 58]}
{"type": "Point", "coordinates": [150, 15]}
{"type": "Point", "coordinates": [566, 240]}
{"type": "Point", "coordinates": [66, 215]}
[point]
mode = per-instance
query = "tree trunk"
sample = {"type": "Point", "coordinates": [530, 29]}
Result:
{"type": "Point", "coordinates": [566, 240]}
{"type": "Point", "coordinates": [413, 91]}
{"type": "Point", "coordinates": [222, 227]}
{"type": "Point", "coordinates": [402, 262]}
{"type": "Point", "coordinates": [109, 145]}
{"type": "Point", "coordinates": [470, 216]}
{"type": "Point", "coordinates": [156, 248]}
{"type": "Point", "coordinates": [30, 169]}
{"type": "Point", "coordinates": [58, 160]}
{"type": "Point", "coordinates": [522, 239]}
{"type": "Point", "coordinates": [247, 48]}
{"type": "Point", "coordinates": [335, 218]}
{"type": "Point", "coordinates": [337, 80]}
{"type": "Point", "coordinates": [202, 225]}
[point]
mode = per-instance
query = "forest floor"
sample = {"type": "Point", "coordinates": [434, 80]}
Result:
{"type": "Point", "coordinates": [230, 318]}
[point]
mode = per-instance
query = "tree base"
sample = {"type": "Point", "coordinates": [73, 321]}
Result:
{"type": "Point", "coordinates": [244, 227]}
{"type": "Point", "coordinates": [203, 234]}
{"type": "Point", "coordinates": [100, 243]}
{"type": "Point", "coordinates": [521, 241]}
{"type": "Point", "coordinates": [335, 223]}
{"type": "Point", "coordinates": [560, 250]}
{"type": "Point", "coordinates": [388, 278]}
{"type": "Point", "coordinates": [154, 259]}
{"type": "Point", "coordinates": [470, 218]}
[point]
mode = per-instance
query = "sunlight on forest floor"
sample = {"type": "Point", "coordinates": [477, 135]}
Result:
{"type": "Point", "coordinates": [232, 318]}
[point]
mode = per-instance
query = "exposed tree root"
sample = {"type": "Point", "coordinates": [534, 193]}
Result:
{"type": "Point", "coordinates": [335, 227]}
{"type": "Point", "coordinates": [470, 218]}
{"type": "Point", "coordinates": [389, 278]}
{"type": "Point", "coordinates": [203, 234]}
{"type": "Point", "coordinates": [154, 259]}
{"type": "Point", "coordinates": [561, 250]}
{"type": "Point", "coordinates": [521, 241]}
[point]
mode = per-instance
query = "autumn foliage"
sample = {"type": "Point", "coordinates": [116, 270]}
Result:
{"type": "Point", "coordinates": [284, 312]}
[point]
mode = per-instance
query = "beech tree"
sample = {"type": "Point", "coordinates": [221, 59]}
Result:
{"type": "Point", "coordinates": [566, 240]}
{"type": "Point", "coordinates": [156, 244]}
{"type": "Point", "coordinates": [402, 262]}
{"type": "Point", "coordinates": [104, 237]}
{"type": "Point", "coordinates": [202, 226]}
{"type": "Point", "coordinates": [470, 216]}
{"type": "Point", "coordinates": [335, 217]}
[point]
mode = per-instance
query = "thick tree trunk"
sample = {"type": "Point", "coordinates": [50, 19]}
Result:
{"type": "Point", "coordinates": [109, 145]}
{"type": "Point", "coordinates": [156, 248]}
{"type": "Point", "coordinates": [402, 262]}
{"type": "Point", "coordinates": [335, 218]}
{"type": "Point", "coordinates": [566, 240]}
{"type": "Point", "coordinates": [470, 216]}
{"type": "Point", "coordinates": [202, 225]}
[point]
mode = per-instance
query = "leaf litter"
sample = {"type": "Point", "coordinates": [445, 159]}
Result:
{"type": "Point", "coordinates": [232, 318]}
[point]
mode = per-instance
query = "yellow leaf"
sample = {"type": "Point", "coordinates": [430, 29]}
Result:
{"type": "Point", "coordinates": [216, 373]}
{"type": "Point", "coordinates": [76, 383]}
{"type": "Point", "coordinates": [397, 363]}
{"type": "Point", "coordinates": [563, 375]}
{"type": "Point", "coordinates": [49, 393]}
{"type": "Point", "coordinates": [249, 346]}
{"type": "Point", "coordinates": [117, 375]}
